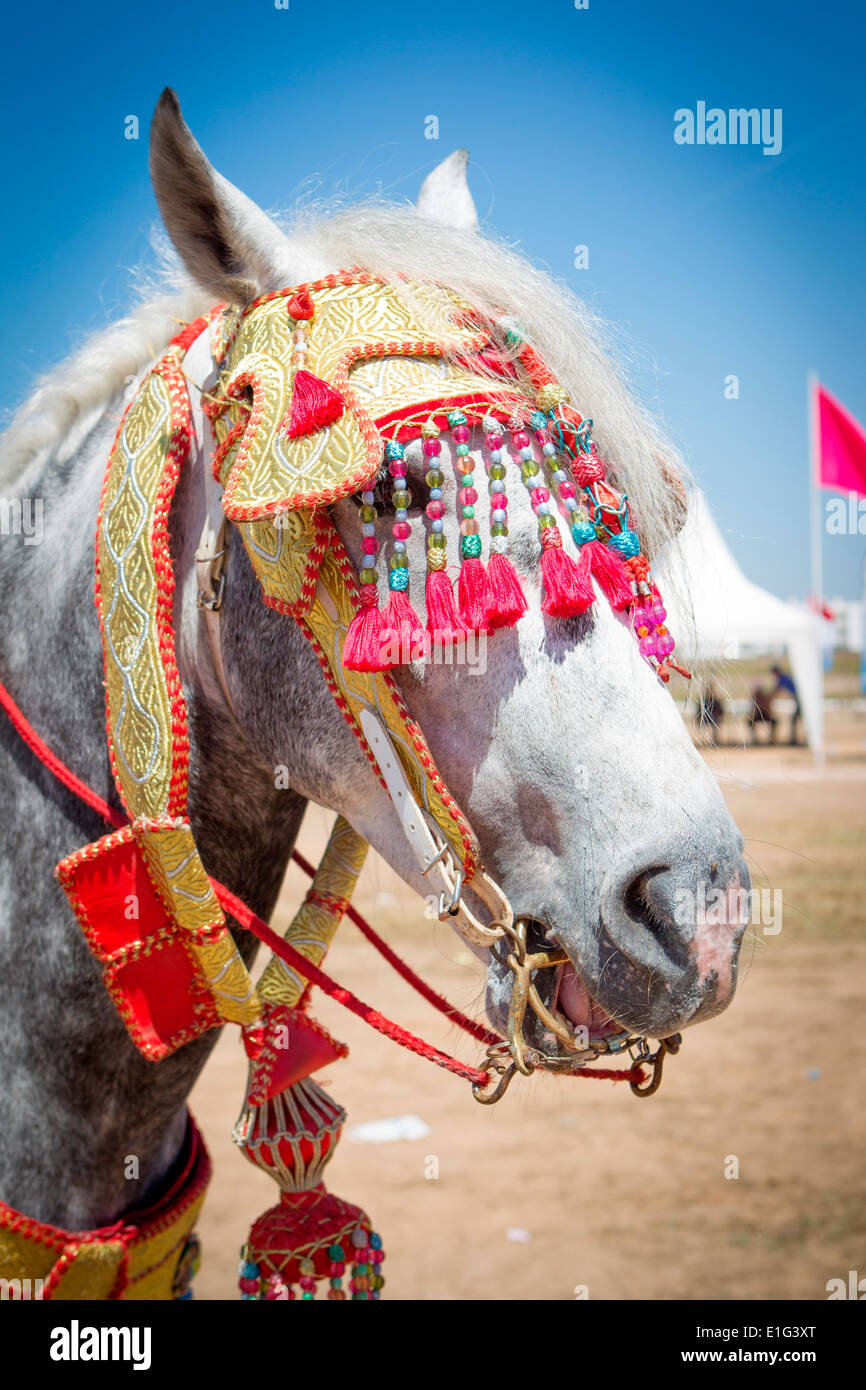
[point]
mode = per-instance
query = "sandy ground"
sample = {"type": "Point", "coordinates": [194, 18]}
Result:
{"type": "Point", "coordinates": [624, 1198]}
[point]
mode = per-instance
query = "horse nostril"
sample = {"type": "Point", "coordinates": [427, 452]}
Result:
{"type": "Point", "coordinates": [640, 903]}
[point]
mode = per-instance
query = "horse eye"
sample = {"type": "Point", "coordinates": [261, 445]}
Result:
{"type": "Point", "coordinates": [385, 486]}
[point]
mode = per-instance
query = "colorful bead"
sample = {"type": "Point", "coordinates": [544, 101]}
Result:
{"type": "Point", "coordinates": [626, 544]}
{"type": "Point", "coordinates": [583, 531]}
{"type": "Point", "coordinates": [470, 546]}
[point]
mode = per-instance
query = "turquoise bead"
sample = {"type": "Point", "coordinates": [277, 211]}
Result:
{"type": "Point", "coordinates": [456, 417]}
{"type": "Point", "coordinates": [583, 531]}
{"type": "Point", "coordinates": [399, 580]}
{"type": "Point", "coordinates": [470, 547]}
{"type": "Point", "coordinates": [625, 544]}
{"type": "Point", "coordinates": [393, 450]}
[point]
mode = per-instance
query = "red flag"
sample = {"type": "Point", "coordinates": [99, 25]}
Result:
{"type": "Point", "coordinates": [840, 451]}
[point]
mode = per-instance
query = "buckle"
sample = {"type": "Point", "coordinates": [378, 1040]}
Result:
{"type": "Point", "coordinates": [212, 601]}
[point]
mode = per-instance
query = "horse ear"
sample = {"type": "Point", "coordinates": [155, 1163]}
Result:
{"type": "Point", "coordinates": [445, 195]}
{"type": "Point", "coordinates": [226, 242]}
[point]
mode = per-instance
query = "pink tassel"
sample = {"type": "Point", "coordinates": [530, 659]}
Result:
{"type": "Point", "coordinates": [504, 600]}
{"type": "Point", "coordinates": [362, 649]}
{"type": "Point", "coordinates": [568, 590]}
{"type": "Point", "coordinates": [401, 629]}
{"type": "Point", "coordinates": [610, 572]}
{"type": "Point", "coordinates": [471, 594]}
{"type": "Point", "coordinates": [444, 623]}
{"type": "Point", "coordinates": [315, 404]}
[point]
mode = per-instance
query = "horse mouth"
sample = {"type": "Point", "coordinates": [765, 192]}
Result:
{"type": "Point", "coordinates": [574, 1007]}
{"type": "Point", "coordinates": [582, 1021]}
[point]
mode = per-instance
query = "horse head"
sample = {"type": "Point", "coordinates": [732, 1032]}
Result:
{"type": "Point", "coordinates": [591, 808]}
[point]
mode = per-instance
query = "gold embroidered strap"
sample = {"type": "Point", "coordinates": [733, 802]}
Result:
{"type": "Point", "coordinates": [144, 702]}
{"type": "Point", "coordinates": [315, 924]}
{"type": "Point", "coordinates": [146, 718]}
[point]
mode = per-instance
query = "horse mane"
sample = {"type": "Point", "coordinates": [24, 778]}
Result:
{"type": "Point", "coordinates": [391, 241]}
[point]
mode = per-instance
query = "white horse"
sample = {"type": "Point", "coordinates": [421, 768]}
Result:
{"type": "Point", "coordinates": [592, 809]}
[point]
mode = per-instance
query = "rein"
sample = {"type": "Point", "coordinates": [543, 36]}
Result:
{"type": "Point", "coordinates": [250, 921]}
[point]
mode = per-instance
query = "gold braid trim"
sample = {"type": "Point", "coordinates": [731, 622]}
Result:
{"type": "Point", "coordinates": [315, 924]}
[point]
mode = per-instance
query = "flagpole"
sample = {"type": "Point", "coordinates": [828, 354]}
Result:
{"type": "Point", "coordinates": [816, 529]}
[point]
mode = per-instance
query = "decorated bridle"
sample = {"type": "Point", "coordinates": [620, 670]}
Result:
{"type": "Point", "coordinates": [326, 381]}
{"type": "Point", "coordinates": [308, 392]}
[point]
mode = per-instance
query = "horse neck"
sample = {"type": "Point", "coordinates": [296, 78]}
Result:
{"type": "Point", "coordinates": [76, 1091]}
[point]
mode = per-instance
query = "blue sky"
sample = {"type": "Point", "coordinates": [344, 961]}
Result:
{"type": "Point", "coordinates": [713, 260]}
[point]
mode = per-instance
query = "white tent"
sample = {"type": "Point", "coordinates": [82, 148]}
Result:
{"type": "Point", "coordinates": [716, 612]}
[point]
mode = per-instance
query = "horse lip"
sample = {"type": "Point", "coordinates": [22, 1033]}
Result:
{"type": "Point", "coordinates": [606, 1029]}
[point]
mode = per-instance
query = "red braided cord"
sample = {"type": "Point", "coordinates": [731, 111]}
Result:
{"type": "Point", "coordinates": [247, 918]}
{"type": "Point", "coordinates": [54, 765]}
{"type": "Point", "coordinates": [252, 922]}
{"type": "Point", "coordinates": [468, 1025]}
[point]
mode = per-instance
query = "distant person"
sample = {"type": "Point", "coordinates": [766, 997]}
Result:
{"type": "Point", "coordinates": [762, 713]}
{"type": "Point", "coordinates": [785, 685]}
{"type": "Point", "coordinates": [711, 712]}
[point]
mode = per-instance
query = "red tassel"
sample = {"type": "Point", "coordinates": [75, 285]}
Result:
{"type": "Point", "coordinates": [315, 404]}
{"type": "Point", "coordinates": [401, 629]}
{"type": "Point", "coordinates": [471, 594]}
{"type": "Point", "coordinates": [610, 572]}
{"type": "Point", "coordinates": [444, 623]}
{"type": "Point", "coordinates": [300, 306]}
{"type": "Point", "coordinates": [362, 649]}
{"type": "Point", "coordinates": [504, 600]}
{"type": "Point", "coordinates": [568, 590]}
